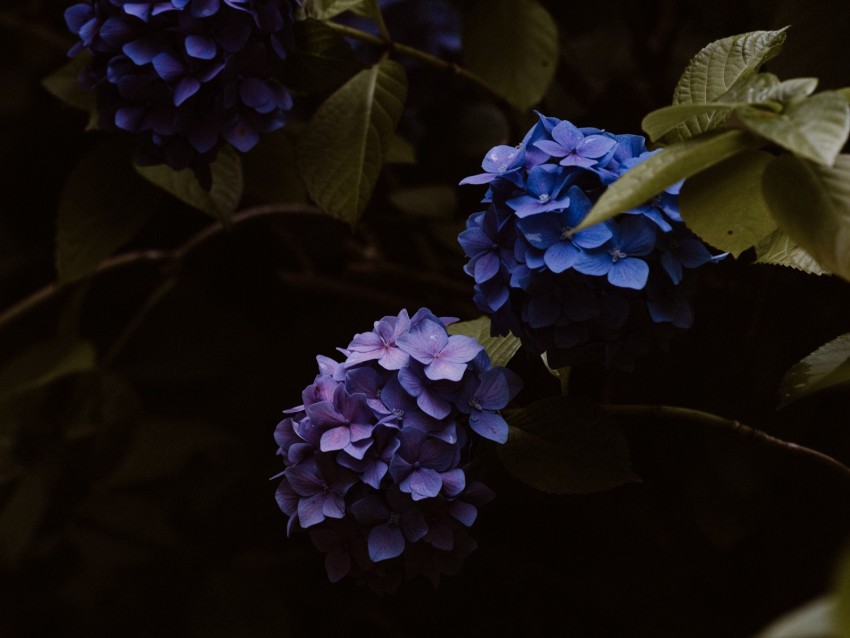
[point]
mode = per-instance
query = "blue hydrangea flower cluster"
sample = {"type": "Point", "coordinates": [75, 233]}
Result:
{"type": "Point", "coordinates": [601, 294]}
{"type": "Point", "coordinates": [187, 76]}
{"type": "Point", "coordinates": [378, 456]}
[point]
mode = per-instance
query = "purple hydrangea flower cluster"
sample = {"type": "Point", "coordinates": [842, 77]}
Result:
{"type": "Point", "coordinates": [187, 76]}
{"type": "Point", "coordinates": [378, 456]}
{"type": "Point", "coordinates": [599, 294]}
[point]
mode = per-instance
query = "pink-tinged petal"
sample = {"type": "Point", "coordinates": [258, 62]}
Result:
{"type": "Point", "coordinates": [333, 506]}
{"type": "Point", "coordinates": [393, 359]}
{"type": "Point", "coordinates": [425, 483]}
{"type": "Point", "coordinates": [374, 473]}
{"type": "Point", "coordinates": [360, 431]}
{"type": "Point", "coordinates": [441, 369]}
{"type": "Point", "coordinates": [335, 439]}
{"type": "Point", "coordinates": [310, 510]}
{"type": "Point", "coordinates": [461, 349]}
{"type": "Point", "coordinates": [324, 413]}
{"type": "Point", "coordinates": [490, 426]}
{"type": "Point", "coordinates": [304, 479]}
{"type": "Point", "coordinates": [385, 542]}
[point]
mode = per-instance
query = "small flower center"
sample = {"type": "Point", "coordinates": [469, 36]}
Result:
{"type": "Point", "coordinates": [398, 413]}
{"type": "Point", "coordinates": [543, 198]}
{"type": "Point", "coordinates": [617, 254]}
{"type": "Point", "coordinates": [395, 519]}
{"type": "Point", "coordinates": [566, 232]}
{"type": "Point", "coordinates": [474, 403]}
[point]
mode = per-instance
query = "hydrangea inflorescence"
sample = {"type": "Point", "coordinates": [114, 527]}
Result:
{"type": "Point", "coordinates": [601, 293]}
{"type": "Point", "coordinates": [378, 456]}
{"type": "Point", "coordinates": [186, 75]}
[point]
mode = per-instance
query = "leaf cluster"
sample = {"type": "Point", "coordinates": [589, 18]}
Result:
{"type": "Point", "coordinates": [761, 159]}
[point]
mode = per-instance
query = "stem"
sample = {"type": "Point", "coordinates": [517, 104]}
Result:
{"type": "Point", "coordinates": [418, 54]}
{"type": "Point", "coordinates": [715, 421]}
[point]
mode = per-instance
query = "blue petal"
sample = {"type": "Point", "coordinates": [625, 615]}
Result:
{"type": "Point", "coordinates": [629, 273]}
{"type": "Point", "coordinates": [489, 425]}
{"type": "Point", "coordinates": [201, 47]}
{"type": "Point", "coordinates": [385, 542]}
{"type": "Point", "coordinates": [561, 256]}
{"type": "Point", "coordinates": [542, 230]}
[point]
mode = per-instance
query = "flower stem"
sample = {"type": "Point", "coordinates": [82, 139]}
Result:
{"type": "Point", "coordinates": [418, 54]}
{"type": "Point", "coordinates": [716, 421]}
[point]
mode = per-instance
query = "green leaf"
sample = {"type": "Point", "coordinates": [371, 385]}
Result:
{"type": "Point", "coordinates": [220, 201]}
{"type": "Point", "coordinates": [717, 67]}
{"type": "Point", "coordinates": [662, 170]}
{"type": "Point", "coordinates": [827, 367]}
{"type": "Point", "coordinates": [811, 203]}
{"type": "Point", "coordinates": [724, 204]}
{"type": "Point", "coordinates": [842, 593]}
{"type": "Point", "coordinates": [271, 168]}
{"type": "Point", "coordinates": [400, 151]}
{"type": "Point", "coordinates": [779, 249]}
{"type": "Point", "coordinates": [320, 59]}
{"type": "Point", "coordinates": [24, 510]}
{"type": "Point", "coordinates": [845, 93]}
{"type": "Point", "coordinates": [64, 83]}
{"type": "Point", "coordinates": [815, 619]}
{"type": "Point", "coordinates": [513, 46]}
{"type": "Point", "coordinates": [500, 349]}
{"type": "Point", "coordinates": [327, 9]}
{"type": "Point", "coordinates": [661, 121]}
{"type": "Point", "coordinates": [346, 142]}
{"type": "Point", "coordinates": [792, 90]}
{"type": "Point", "coordinates": [815, 128]}
{"type": "Point", "coordinates": [564, 446]}
{"type": "Point", "coordinates": [433, 200]}
{"type": "Point", "coordinates": [103, 205]}
{"type": "Point", "coordinates": [43, 363]}
{"type": "Point", "coordinates": [750, 90]}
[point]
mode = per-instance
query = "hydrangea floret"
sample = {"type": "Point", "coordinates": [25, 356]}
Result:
{"type": "Point", "coordinates": [186, 76]}
{"type": "Point", "coordinates": [604, 293]}
{"type": "Point", "coordinates": [379, 456]}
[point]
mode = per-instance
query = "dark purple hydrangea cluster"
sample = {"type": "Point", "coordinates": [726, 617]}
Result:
{"type": "Point", "coordinates": [378, 456]}
{"type": "Point", "coordinates": [186, 75]}
{"type": "Point", "coordinates": [601, 294]}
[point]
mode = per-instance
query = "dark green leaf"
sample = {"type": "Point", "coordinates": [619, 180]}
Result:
{"type": "Point", "coordinates": [827, 367]}
{"type": "Point", "coordinates": [842, 594]}
{"type": "Point", "coordinates": [345, 145]}
{"type": "Point", "coordinates": [724, 204]}
{"type": "Point", "coordinates": [674, 163]}
{"type": "Point", "coordinates": [43, 363]}
{"type": "Point", "coordinates": [811, 203]}
{"type": "Point", "coordinates": [320, 60]}
{"type": "Point", "coordinates": [715, 69]}
{"type": "Point", "coordinates": [815, 128]}
{"type": "Point", "coordinates": [500, 349]}
{"type": "Point", "coordinates": [400, 151]}
{"type": "Point", "coordinates": [64, 83]}
{"type": "Point", "coordinates": [564, 446]}
{"type": "Point", "coordinates": [780, 250]}
{"type": "Point", "coordinates": [513, 46]}
{"type": "Point", "coordinates": [660, 122]}
{"type": "Point", "coordinates": [220, 201]}
{"type": "Point", "coordinates": [271, 168]}
{"type": "Point", "coordinates": [104, 204]}
{"type": "Point", "coordinates": [327, 9]}
{"type": "Point", "coordinates": [815, 619]}
{"type": "Point", "coordinates": [436, 200]}
{"type": "Point", "coordinates": [23, 512]}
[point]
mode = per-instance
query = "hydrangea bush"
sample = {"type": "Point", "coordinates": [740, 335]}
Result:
{"type": "Point", "coordinates": [187, 76]}
{"type": "Point", "coordinates": [598, 294]}
{"type": "Point", "coordinates": [379, 455]}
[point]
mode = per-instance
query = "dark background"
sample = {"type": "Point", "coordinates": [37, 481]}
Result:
{"type": "Point", "coordinates": [137, 498]}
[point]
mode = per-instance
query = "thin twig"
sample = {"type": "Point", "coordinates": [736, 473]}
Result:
{"type": "Point", "coordinates": [422, 56]}
{"type": "Point", "coordinates": [716, 421]}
